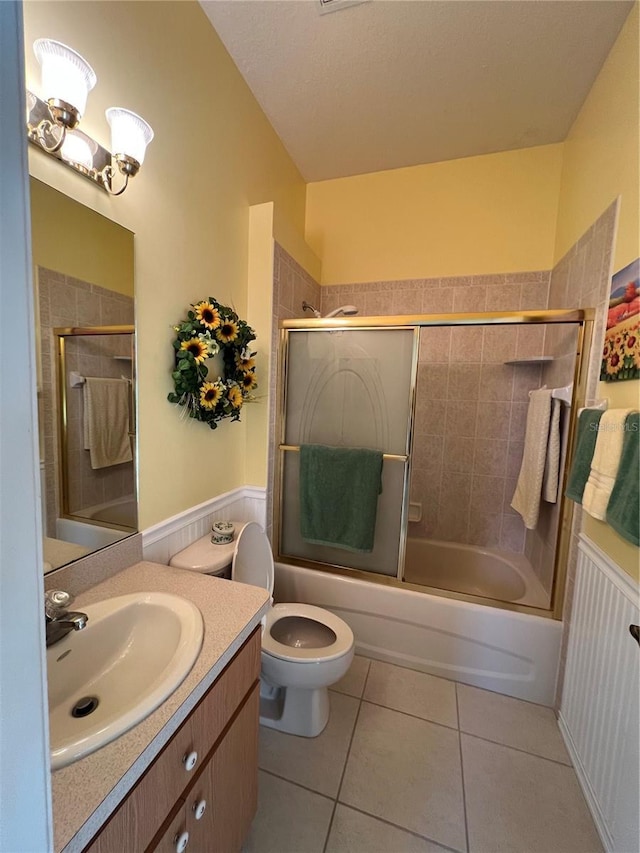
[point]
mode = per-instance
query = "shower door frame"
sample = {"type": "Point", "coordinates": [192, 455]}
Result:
{"type": "Point", "coordinates": [405, 458]}
{"type": "Point", "coordinates": [61, 335]}
{"type": "Point", "coordinates": [582, 318]}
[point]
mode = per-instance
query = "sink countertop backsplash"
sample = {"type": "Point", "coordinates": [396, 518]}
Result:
{"type": "Point", "coordinates": [87, 792]}
{"type": "Point", "coordinates": [82, 574]}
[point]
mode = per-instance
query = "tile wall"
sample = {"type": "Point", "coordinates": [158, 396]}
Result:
{"type": "Point", "coordinates": [471, 407]}
{"type": "Point", "coordinates": [292, 285]}
{"type": "Point", "coordinates": [583, 278]}
{"type": "Point", "coordinates": [94, 356]}
{"type": "Point", "coordinates": [66, 301]}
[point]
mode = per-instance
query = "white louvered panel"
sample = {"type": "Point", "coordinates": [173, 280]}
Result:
{"type": "Point", "coordinates": [599, 709]}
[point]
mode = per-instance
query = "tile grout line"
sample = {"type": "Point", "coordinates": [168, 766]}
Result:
{"type": "Point", "coordinates": [458, 727]}
{"type": "Point", "coordinates": [469, 734]}
{"type": "Point", "coordinates": [362, 811]}
{"type": "Point", "coordinates": [518, 749]}
{"type": "Point", "coordinates": [413, 716]}
{"type": "Point", "coordinates": [346, 760]}
{"type": "Point", "coordinates": [297, 784]}
{"type": "Point", "coordinates": [400, 828]}
{"type": "Point", "coordinates": [464, 795]}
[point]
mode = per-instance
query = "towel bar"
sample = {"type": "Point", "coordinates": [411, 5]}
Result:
{"type": "Point", "coordinates": [392, 456]}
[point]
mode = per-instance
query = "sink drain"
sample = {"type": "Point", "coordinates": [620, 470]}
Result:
{"type": "Point", "coordinates": [85, 706]}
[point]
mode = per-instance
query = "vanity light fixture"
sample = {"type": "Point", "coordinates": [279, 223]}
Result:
{"type": "Point", "coordinates": [52, 123]}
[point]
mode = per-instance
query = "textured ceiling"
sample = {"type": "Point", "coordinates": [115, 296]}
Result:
{"type": "Point", "coordinates": [393, 83]}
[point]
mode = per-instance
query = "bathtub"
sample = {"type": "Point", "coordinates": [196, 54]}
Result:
{"type": "Point", "coordinates": [90, 535]}
{"type": "Point", "coordinates": [471, 570]}
{"type": "Point", "coordinates": [512, 653]}
{"type": "Point", "coordinates": [122, 512]}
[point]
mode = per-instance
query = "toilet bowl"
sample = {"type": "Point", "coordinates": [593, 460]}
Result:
{"type": "Point", "coordinates": [305, 649]}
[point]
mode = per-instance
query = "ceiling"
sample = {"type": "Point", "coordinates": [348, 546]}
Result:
{"type": "Point", "coordinates": [391, 83]}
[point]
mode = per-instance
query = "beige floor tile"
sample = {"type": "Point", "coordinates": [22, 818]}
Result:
{"type": "Point", "coordinates": [412, 692]}
{"type": "Point", "coordinates": [354, 832]}
{"type": "Point", "coordinates": [315, 762]}
{"type": "Point", "coordinates": [512, 722]}
{"type": "Point", "coordinates": [406, 771]}
{"type": "Point", "coordinates": [353, 682]}
{"type": "Point", "coordinates": [289, 819]}
{"type": "Point", "coordinates": [519, 802]}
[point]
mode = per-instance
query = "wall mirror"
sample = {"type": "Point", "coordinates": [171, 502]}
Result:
{"type": "Point", "coordinates": [85, 341]}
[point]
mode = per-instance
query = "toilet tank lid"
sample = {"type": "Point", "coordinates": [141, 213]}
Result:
{"type": "Point", "coordinates": [203, 556]}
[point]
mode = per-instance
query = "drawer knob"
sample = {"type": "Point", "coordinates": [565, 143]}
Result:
{"type": "Point", "coordinates": [181, 842]}
{"type": "Point", "coordinates": [199, 808]}
{"type": "Point", "coordinates": [190, 760]}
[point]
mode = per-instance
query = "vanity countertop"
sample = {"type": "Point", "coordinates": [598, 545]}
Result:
{"type": "Point", "coordinates": [87, 792]}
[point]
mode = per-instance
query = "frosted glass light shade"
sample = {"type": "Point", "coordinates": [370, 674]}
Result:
{"type": "Point", "coordinates": [130, 134]}
{"type": "Point", "coordinates": [78, 148]}
{"type": "Point", "coordinates": [66, 76]}
{"type": "Point", "coordinates": [31, 102]}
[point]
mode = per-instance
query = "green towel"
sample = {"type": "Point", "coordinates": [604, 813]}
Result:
{"type": "Point", "coordinates": [623, 510]}
{"type": "Point", "coordinates": [585, 445]}
{"type": "Point", "coordinates": [339, 488]}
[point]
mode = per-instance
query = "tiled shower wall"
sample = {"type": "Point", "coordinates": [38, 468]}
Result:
{"type": "Point", "coordinates": [66, 301]}
{"type": "Point", "coordinates": [291, 286]}
{"type": "Point", "coordinates": [471, 407]}
{"type": "Point", "coordinates": [94, 356]}
{"type": "Point", "coordinates": [581, 279]}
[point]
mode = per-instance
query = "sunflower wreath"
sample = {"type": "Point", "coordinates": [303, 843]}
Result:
{"type": "Point", "coordinates": [211, 328]}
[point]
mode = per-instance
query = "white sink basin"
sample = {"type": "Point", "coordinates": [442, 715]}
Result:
{"type": "Point", "coordinates": [134, 652]}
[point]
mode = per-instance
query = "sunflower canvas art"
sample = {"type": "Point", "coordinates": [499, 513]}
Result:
{"type": "Point", "coordinates": [621, 352]}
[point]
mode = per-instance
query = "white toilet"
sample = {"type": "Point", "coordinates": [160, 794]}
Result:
{"type": "Point", "coordinates": [304, 648]}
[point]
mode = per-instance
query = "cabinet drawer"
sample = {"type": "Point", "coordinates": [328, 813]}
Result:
{"type": "Point", "coordinates": [142, 813]}
{"type": "Point", "coordinates": [172, 839]}
{"type": "Point", "coordinates": [137, 820]}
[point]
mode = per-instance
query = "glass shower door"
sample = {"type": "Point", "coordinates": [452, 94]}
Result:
{"type": "Point", "coordinates": [349, 388]}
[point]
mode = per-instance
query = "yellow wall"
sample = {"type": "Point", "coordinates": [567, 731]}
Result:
{"type": "Point", "coordinates": [76, 241]}
{"type": "Point", "coordinates": [600, 163]}
{"type": "Point", "coordinates": [494, 213]}
{"type": "Point", "coordinates": [214, 155]}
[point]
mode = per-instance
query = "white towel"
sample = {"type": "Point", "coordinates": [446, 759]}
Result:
{"type": "Point", "coordinates": [526, 499]}
{"type": "Point", "coordinates": [552, 461]}
{"type": "Point", "coordinates": [106, 421]}
{"type": "Point", "coordinates": [605, 462]}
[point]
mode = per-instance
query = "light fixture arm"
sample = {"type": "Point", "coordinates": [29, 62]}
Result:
{"type": "Point", "coordinates": [106, 177]}
{"type": "Point", "coordinates": [44, 130]}
{"type": "Point", "coordinates": [127, 166]}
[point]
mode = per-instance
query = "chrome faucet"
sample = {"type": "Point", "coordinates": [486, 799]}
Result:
{"type": "Point", "coordinates": [58, 620]}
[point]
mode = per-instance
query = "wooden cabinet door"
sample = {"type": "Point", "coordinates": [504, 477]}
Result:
{"type": "Point", "coordinates": [228, 786]}
{"type": "Point", "coordinates": [169, 840]}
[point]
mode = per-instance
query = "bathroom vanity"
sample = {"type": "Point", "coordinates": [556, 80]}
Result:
{"type": "Point", "coordinates": [184, 778]}
{"type": "Point", "coordinates": [200, 793]}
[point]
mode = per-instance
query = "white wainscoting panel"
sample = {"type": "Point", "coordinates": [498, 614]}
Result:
{"type": "Point", "coordinates": [163, 540]}
{"type": "Point", "coordinates": [599, 708]}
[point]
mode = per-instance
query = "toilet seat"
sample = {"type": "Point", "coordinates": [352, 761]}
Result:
{"type": "Point", "coordinates": [252, 558]}
{"type": "Point", "coordinates": [340, 646]}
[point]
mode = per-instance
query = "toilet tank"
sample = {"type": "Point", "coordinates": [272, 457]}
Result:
{"type": "Point", "coordinates": [205, 557]}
